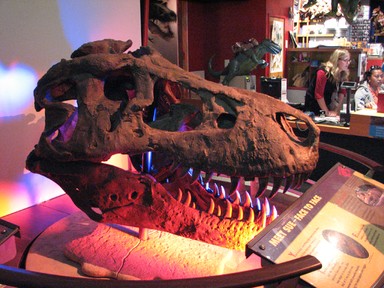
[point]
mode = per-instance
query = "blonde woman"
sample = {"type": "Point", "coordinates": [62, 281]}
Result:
{"type": "Point", "coordinates": [327, 81]}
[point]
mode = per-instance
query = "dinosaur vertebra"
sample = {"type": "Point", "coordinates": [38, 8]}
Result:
{"type": "Point", "coordinates": [234, 132]}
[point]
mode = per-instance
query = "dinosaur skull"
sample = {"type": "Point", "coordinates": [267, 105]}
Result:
{"type": "Point", "coordinates": [99, 104]}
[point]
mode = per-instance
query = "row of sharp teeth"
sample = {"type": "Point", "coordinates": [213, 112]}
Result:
{"type": "Point", "coordinates": [243, 208]}
{"type": "Point", "coordinates": [292, 181]}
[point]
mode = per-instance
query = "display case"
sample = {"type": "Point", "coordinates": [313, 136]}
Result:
{"type": "Point", "coordinates": [303, 62]}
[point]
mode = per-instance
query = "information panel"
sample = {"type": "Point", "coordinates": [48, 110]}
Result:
{"type": "Point", "coordinates": [340, 221]}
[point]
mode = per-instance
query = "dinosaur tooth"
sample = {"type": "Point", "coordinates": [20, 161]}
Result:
{"type": "Point", "coordinates": [267, 207]}
{"type": "Point", "coordinates": [218, 211]}
{"type": "Point", "coordinates": [195, 175]}
{"type": "Point", "coordinates": [167, 172]}
{"type": "Point", "coordinates": [208, 177]}
{"type": "Point", "coordinates": [240, 214]}
{"type": "Point", "coordinates": [216, 190]}
{"type": "Point", "coordinates": [263, 183]}
{"type": "Point", "coordinates": [277, 181]}
{"type": "Point", "coordinates": [300, 180]}
{"type": "Point", "coordinates": [173, 167]}
{"type": "Point", "coordinates": [248, 200]}
{"type": "Point", "coordinates": [288, 183]}
{"type": "Point", "coordinates": [251, 216]}
{"type": "Point", "coordinates": [228, 212]}
{"type": "Point", "coordinates": [208, 189]}
{"type": "Point", "coordinates": [304, 177]}
{"type": "Point", "coordinates": [296, 181]}
{"type": "Point", "coordinates": [182, 171]}
{"type": "Point", "coordinates": [222, 193]}
{"type": "Point", "coordinates": [179, 195]}
{"type": "Point", "coordinates": [235, 197]}
{"type": "Point", "coordinates": [234, 183]}
{"type": "Point", "coordinates": [188, 200]}
{"type": "Point", "coordinates": [254, 186]}
{"type": "Point", "coordinates": [211, 206]}
{"type": "Point", "coordinates": [274, 212]}
{"type": "Point", "coordinates": [258, 204]}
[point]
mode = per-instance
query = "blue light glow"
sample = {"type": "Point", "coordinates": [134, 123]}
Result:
{"type": "Point", "coordinates": [16, 88]}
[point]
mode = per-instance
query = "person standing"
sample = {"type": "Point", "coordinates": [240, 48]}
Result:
{"type": "Point", "coordinates": [366, 95]}
{"type": "Point", "coordinates": [326, 82]}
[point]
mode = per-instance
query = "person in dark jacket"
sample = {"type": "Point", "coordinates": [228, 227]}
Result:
{"type": "Point", "coordinates": [326, 82]}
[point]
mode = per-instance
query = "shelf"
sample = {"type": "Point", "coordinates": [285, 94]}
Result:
{"type": "Point", "coordinates": [300, 63]}
{"type": "Point", "coordinates": [317, 35]}
{"type": "Point", "coordinates": [323, 49]}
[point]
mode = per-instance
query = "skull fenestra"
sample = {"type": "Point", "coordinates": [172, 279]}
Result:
{"type": "Point", "coordinates": [105, 101]}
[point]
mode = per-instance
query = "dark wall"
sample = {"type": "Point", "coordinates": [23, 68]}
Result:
{"type": "Point", "coordinates": [214, 26]}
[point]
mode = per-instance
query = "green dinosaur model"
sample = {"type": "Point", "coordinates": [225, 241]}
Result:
{"type": "Point", "coordinates": [247, 57]}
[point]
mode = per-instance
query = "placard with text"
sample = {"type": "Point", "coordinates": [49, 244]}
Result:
{"type": "Point", "coordinates": [340, 221]}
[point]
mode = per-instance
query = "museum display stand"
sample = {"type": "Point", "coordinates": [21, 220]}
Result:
{"type": "Point", "coordinates": [78, 252]}
{"type": "Point", "coordinates": [75, 249]}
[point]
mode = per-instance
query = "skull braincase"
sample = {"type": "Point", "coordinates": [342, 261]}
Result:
{"type": "Point", "coordinates": [99, 104]}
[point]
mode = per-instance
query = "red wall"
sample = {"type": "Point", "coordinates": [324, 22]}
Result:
{"type": "Point", "coordinates": [214, 26]}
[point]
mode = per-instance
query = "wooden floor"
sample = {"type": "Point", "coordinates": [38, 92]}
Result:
{"type": "Point", "coordinates": [34, 220]}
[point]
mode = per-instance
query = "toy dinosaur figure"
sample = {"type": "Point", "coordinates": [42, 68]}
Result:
{"type": "Point", "coordinates": [234, 132]}
{"type": "Point", "coordinates": [247, 56]}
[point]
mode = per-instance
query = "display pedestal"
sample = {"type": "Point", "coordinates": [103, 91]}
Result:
{"type": "Point", "coordinates": [101, 250]}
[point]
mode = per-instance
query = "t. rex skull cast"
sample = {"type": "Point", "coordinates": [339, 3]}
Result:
{"type": "Point", "coordinates": [99, 104]}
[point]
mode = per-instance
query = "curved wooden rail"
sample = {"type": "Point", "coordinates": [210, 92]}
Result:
{"type": "Point", "coordinates": [372, 165]}
{"type": "Point", "coordinates": [273, 273]}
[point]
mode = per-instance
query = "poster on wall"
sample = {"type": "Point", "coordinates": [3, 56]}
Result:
{"type": "Point", "coordinates": [162, 28]}
{"type": "Point", "coordinates": [276, 65]}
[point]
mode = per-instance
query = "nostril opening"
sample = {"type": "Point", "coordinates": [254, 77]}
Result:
{"type": "Point", "coordinates": [134, 195]}
{"type": "Point", "coordinates": [113, 197]}
{"type": "Point", "coordinates": [226, 121]}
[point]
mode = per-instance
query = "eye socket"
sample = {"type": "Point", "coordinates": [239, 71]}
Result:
{"type": "Point", "coordinates": [226, 121]}
{"type": "Point", "coordinates": [302, 131]}
{"type": "Point", "coordinates": [121, 87]}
